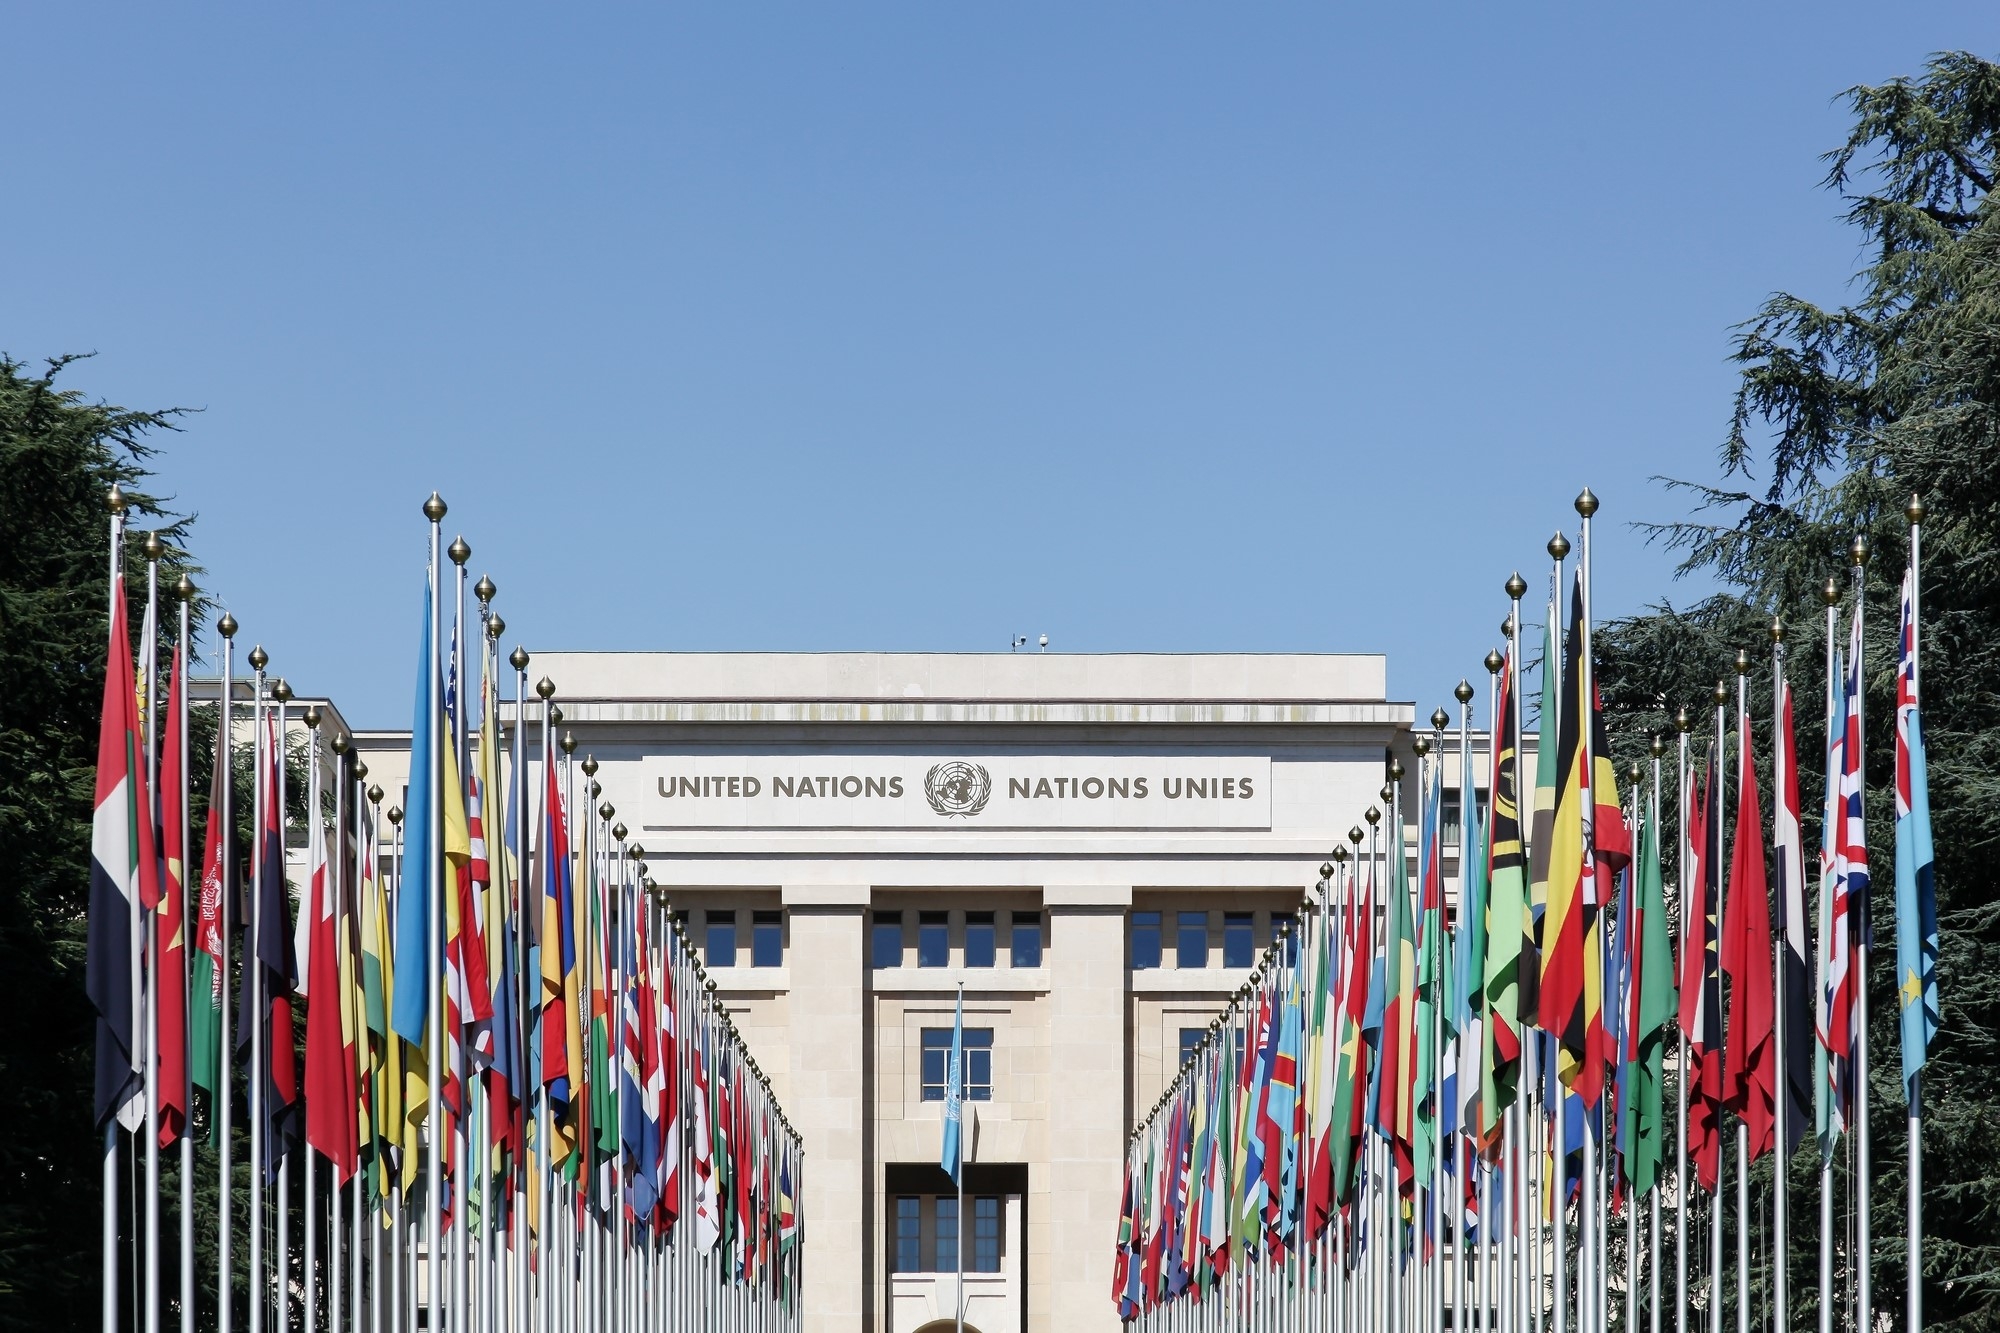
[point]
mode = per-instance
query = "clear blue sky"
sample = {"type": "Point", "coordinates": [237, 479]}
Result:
{"type": "Point", "coordinates": [915, 326]}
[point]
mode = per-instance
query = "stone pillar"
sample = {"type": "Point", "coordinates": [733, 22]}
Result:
{"type": "Point", "coordinates": [828, 965]}
{"type": "Point", "coordinates": [1087, 1113]}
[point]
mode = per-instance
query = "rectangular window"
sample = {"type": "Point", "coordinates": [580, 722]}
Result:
{"type": "Point", "coordinates": [1145, 940]}
{"type": "Point", "coordinates": [979, 939]}
{"type": "Point", "coordinates": [946, 1233]}
{"type": "Point", "coordinates": [1191, 939]}
{"type": "Point", "coordinates": [909, 1234]}
{"type": "Point", "coordinates": [1239, 939]}
{"type": "Point", "coordinates": [978, 1063]}
{"type": "Point", "coordinates": [887, 944]}
{"type": "Point", "coordinates": [722, 939]}
{"type": "Point", "coordinates": [1190, 1039]}
{"type": "Point", "coordinates": [933, 939]}
{"type": "Point", "coordinates": [767, 939]}
{"type": "Point", "coordinates": [1280, 921]}
{"type": "Point", "coordinates": [1027, 938]}
{"type": "Point", "coordinates": [986, 1234]}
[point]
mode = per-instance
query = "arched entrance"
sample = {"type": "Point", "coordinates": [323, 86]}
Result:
{"type": "Point", "coordinates": [945, 1326]}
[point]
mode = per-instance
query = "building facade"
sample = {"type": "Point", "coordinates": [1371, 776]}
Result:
{"type": "Point", "coordinates": [1092, 849]}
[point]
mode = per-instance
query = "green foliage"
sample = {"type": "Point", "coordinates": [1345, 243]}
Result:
{"type": "Point", "coordinates": [1847, 410]}
{"type": "Point", "coordinates": [58, 456]}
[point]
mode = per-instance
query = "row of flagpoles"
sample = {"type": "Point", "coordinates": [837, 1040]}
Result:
{"type": "Point", "coordinates": [515, 1101]}
{"type": "Point", "coordinates": [1408, 1121]}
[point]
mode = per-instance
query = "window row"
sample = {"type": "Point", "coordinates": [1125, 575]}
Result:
{"type": "Point", "coordinates": [1192, 940]}
{"type": "Point", "coordinates": [721, 935]}
{"type": "Point", "coordinates": [936, 1063]}
{"type": "Point", "coordinates": [934, 1249]}
{"type": "Point", "coordinates": [980, 940]}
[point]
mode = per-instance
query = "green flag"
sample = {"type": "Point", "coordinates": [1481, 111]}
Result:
{"type": "Point", "coordinates": [1646, 1082]}
{"type": "Point", "coordinates": [1508, 924]}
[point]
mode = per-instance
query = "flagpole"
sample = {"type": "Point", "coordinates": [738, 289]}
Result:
{"type": "Point", "coordinates": [1720, 835]}
{"type": "Point", "coordinates": [253, 980]}
{"type": "Point", "coordinates": [1653, 1235]}
{"type": "Point", "coordinates": [308, 913]}
{"type": "Point", "coordinates": [1589, 1290]}
{"type": "Point", "coordinates": [1821, 1092]}
{"type": "Point", "coordinates": [1864, 1282]}
{"type": "Point", "coordinates": [149, 941]}
{"type": "Point", "coordinates": [1558, 1113]}
{"type": "Point", "coordinates": [183, 592]}
{"type": "Point", "coordinates": [433, 854]}
{"type": "Point", "coordinates": [1681, 783]}
{"type": "Point", "coordinates": [1743, 1125]}
{"type": "Point", "coordinates": [465, 1174]}
{"type": "Point", "coordinates": [1517, 1261]}
{"type": "Point", "coordinates": [108, 1234]}
{"type": "Point", "coordinates": [282, 693]}
{"type": "Point", "coordinates": [1914, 1318]}
{"type": "Point", "coordinates": [1780, 1249]}
{"type": "Point", "coordinates": [219, 1109]}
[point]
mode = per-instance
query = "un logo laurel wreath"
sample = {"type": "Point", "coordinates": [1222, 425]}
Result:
{"type": "Point", "coordinates": [958, 788]}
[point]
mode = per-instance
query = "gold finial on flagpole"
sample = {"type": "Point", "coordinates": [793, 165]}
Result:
{"type": "Point", "coordinates": [458, 551]}
{"type": "Point", "coordinates": [495, 627]}
{"type": "Point", "coordinates": [518, 659]}
{"type": "Point", "coordinates": [1914, 510]}
{"type": "Point", "coordinates": [1558, 545]}
{"type": "Point", "coordinates": [226, 626]}
{"type": "Point", "coordinates": [184, 588]}
{"type": "Point", "coordinates": [434, 508]}
{"type": "Point", "coordinates": [1586, 503]}
{"type": "Point", "coordinates": [114, 499]}
{"type": "Point", "coordinates": [545, 687]}
{"type": "Point", "coordinates": [1516, 585]}
{"type": "Point", "coordinates": [1858, 552]}
{"type": "Point", "coordinates": [1463, 691]}
{"type": "Point", "coordinates": [484, 589]}
{"type": "Point", "coordinates": [1494, 661]}
{"type": "Point", "coordinates": [154, 547]}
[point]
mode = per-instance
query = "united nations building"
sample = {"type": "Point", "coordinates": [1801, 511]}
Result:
{"type": "Point", "coordinates": [1096, 848]}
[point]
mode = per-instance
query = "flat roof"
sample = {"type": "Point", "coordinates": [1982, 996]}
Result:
{"type": "Point", "coordinates": [998, 677]}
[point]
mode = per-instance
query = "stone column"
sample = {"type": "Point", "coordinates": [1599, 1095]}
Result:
{"type": "Point", "coordinates": [1087, 1113]}
{"type": "Point", "coordinates": [828, 966]}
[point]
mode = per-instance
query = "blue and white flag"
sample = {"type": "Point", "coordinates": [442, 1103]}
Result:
{"type": "Point", "coordinates": [1916, 892]}
{"type": "Point", "coordinates": [954, 1094]}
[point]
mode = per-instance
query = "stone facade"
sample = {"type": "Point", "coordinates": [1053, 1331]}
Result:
{"type": "Point", "coordinates": [951, 796]}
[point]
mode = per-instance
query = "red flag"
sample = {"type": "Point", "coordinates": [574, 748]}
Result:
{"type": "Point", "coordinates": [1701, 987]}
{"type": "Point", "coordinates": [1746, 957]}
{"type": "Point", "coordinates": [169, 923]}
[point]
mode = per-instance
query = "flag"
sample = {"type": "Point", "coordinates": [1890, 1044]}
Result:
{"type": "Point", "coordinates": [951, 1154]}
{"type": "Point", "coordinates": [1701, 984]}
{"type": "Point", "coordinates": [410, 1015]}
{"type": "Point", "coordinates": [330, 1122]}
{"type": "Point", "coordinates": [1351, 1077]}
{"type": "Point", "coordinates": [1541, 823]}
{"type": "Point", "coordinates": [1509, 925]}
{"type": "Point", "coordinates": [170, 922]}
{"type": "Point", "coordinates": [1469, 948]}
{"type": "Point", "coordinates": [1916, 893]}
{"type": "Point", "coordinates": [707, 1205]}
{"type": "Point", "coordinates": [1564, 924]}
{"type": "Point", "coordinates": [211, 958]}
{"type": "Point", "coordinates": [122, 863]}
{"type": "Point", "coordinates": [1746, 956]}
{"type": "Point", "coordinates": [1397, 1113]}
{"type": "Point", "coordinates": [1653, 983]}
{"type": "Point", "coordinates": [1425, 1071]}
{"type": "Point", "coordinates": [271, 967]}
{"type": "Point", "coordinates": [1795, 1002]}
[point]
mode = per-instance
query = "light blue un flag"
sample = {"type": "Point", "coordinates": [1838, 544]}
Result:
{"type": "Point", "coordinates": [954, 1093]}
{"type": "Point", "coordinates": [1916, 891]}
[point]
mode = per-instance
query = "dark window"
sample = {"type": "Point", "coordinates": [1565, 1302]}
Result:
{"type": "Point", "coordinates": [986, 1234]}
{"type": "Point", "coordinates": [1027, 931]}
{"type": "Point", "coordinates": [947, 1234]}
{"type": "Point", "coordinates": [979, 941]}
{"type": "Point", "coordinates": [1191, 939]}
{"type": "Point", "coordinates": [1145, 940]}
{"type": "Point", "coordinates": [933, 939]}
{"type": "Point", "coordinates": [722, 939]}
{"type": "Point", "coordinates": [767, 939]}
{"type": "Point", "coordinates": [909, 1234]}
{"type": "Point", "coordinates": [1279, 921]}
{"type": "Point", "coordinates": [1239, 939]}
{"type": "Point", "coordinates": [888, 941]}
{"type": "Point", "coordinates": [978, 1063]}
{"type": "Point", "coordinates": [1190, 1039]}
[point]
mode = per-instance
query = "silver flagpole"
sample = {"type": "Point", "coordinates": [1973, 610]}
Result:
{"type": "Point", "coordinates": [282, 694]}
{"type": "Point", "coordinates": [433, 853]}
{"type": "Point", "coordinates": [253, 980]}
{"type": "Point", "coordinates": [308, 910]}
{"type": "Point", "coordinates": [1653, 1233]}
{"type": "Point", "coordinates": [462, 1183]}
{"type": "Point", "coordinates": [1516, 1260]}
{"type": "Point", "coordinates": [1687, 940]}
{"type": "Point", "coordinates": [1781, 1159]}
{"type": "Point", "coordinates": [220, 1109]}
{"type": "Point", "coordinates": [1864, 1178]}
{"type": "Point", "coordinates": [108, 1234]}
{"type": "Point", "coordinates": [1915, 1276]}
{"type": "Point", "coordinates": [1719, 836]}
{"type": "Point", "coordinates": [1590, 1291]}
{"type": "Point", "coordinates": [149, 938]}
{"type": "Point", "coordinates": [396, 1198]}
{"type": "Point", "coordinates": [1742, 1126]}
{"type": "Point", "coordinates": [184, 592]}
{"type": "Point", "coordinates": [1830, 814]}
{"type": "Point", "coordinates": [1559, 1182]}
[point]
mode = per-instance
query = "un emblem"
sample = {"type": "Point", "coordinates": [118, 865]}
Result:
{"type": "Point", "coordinates": [958, 788]}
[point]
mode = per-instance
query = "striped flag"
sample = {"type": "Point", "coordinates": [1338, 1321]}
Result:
{"type": "Point", "coordinates": [1795, 1003]}
{"type": "Point", "coordinates": [123, 863]}
{"type": "Point", "coordinates": [170, 922]}
{"type": "Point", "coordinates": [1916, 891]}
{"type": "Point", "coordinates": [211, 957]}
